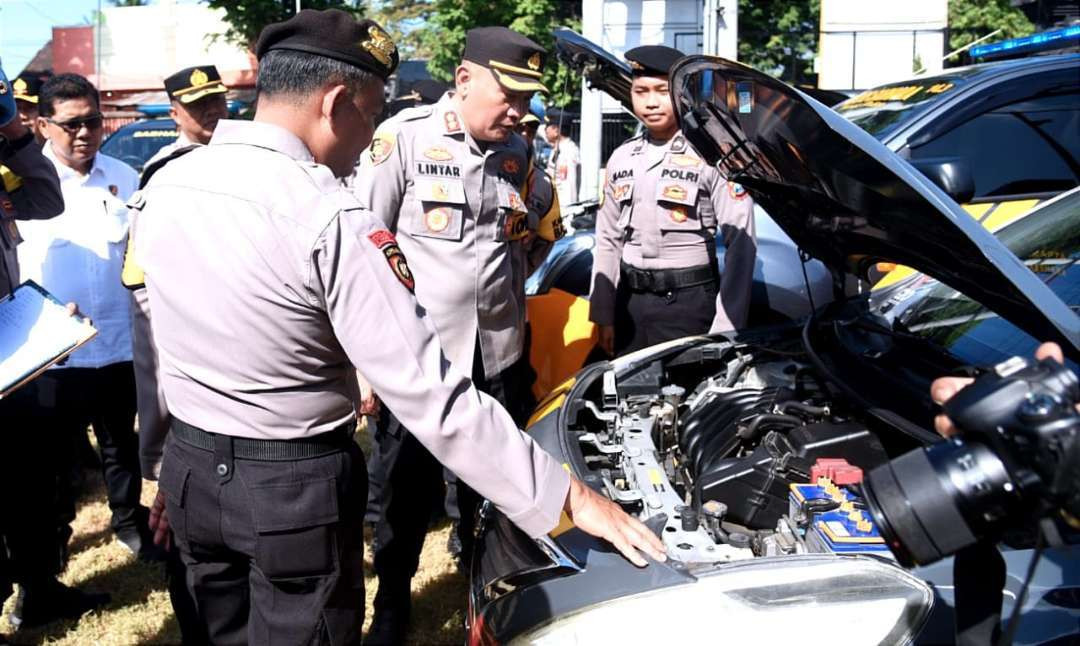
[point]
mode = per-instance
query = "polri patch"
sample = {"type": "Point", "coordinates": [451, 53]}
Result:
{"type": "Point", "coordinates": [736, 191]}
{"type": "Point", "coordinates": [381, 146]}
{"type": "Point", "coordinates": [387, 244]}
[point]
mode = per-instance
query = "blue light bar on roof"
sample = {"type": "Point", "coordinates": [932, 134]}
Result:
{"type": "Point", "coordinates": [1056, 39]}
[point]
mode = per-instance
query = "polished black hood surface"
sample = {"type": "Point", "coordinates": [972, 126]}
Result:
{"type": "Point", "coordinates": [600, 68]}
{"type": "Point", "coordinates": [847, 199]}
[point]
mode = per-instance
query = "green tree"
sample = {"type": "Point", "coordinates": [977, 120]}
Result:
{"type": "Point", "coordinates": [246, 18]}
{"type": "Point", "coordinates": [406, 21]}
{"type": "Point", "coordinates": [970, 20]}
{"type": "Point", "coordinates": [444, 35]}
{"type": "Point", "coordinates": [780, 37]}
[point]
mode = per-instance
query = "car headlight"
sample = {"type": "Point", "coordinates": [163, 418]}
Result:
{"type": "Point", "coordinates": [848, 599]}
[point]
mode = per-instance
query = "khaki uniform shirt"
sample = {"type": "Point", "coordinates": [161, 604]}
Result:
{"type": "Point", "coordinates": [456, 206]}
{"type": "Point", "coordinates": [264, 295]}
{"type": "Point", "coordinates": [662, 208]}
{"type": "Point", "coordinates": [29, 190]}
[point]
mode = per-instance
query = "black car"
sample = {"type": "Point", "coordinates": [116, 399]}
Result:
{"type": "Point", "coordinates": [709, 439]}
{"type": "Point", "coordinates": [135, 143]}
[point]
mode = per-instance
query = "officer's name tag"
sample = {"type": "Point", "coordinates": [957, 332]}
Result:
{"type": "Point", "coordinates": [431, 169]}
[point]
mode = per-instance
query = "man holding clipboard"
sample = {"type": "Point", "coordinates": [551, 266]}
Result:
{"type": "Point", "coordinates": [29, 554]}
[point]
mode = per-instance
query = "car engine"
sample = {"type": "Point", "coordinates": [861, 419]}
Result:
{"type": "Point", "coordinates": [704, 444]}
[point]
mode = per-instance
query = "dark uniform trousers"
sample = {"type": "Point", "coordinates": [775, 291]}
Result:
{"type": "Point", "coordinates": [274, 548]}
{"type": "Point", "coordinates": [30, 548]}
{"type": "Point", "coordinates": [645, 318]}
{"type": "Point", "coordinates": [407, 485]}
{"type": "Point", "coordinates": [69, 399]}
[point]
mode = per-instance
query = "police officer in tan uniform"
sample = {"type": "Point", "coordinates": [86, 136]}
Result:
{"type": "Point", "coordinates": [654, 275]}
{"type": "Point", "coordinates": [264, 298]}
{"type": "Point", "coordinates": [449, 180]}
{"type": "Point", "coordinates": [196, 103]}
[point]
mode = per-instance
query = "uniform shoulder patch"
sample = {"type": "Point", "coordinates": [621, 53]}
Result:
{"type": "Point", "coordinates": [736, 191]}
{"type": "Point", "coordinates": [416, 112]}
{"type": "Point", "coordinates": [385, 242]}
{"type": "Point", "coordinates": [382, 144]}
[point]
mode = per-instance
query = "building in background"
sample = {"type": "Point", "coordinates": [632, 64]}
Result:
{"type": "Point", "coordinates": [135, 48]}
{"type": "Point", "coordinates": [866, 44]}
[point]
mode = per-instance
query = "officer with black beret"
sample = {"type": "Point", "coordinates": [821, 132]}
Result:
{"type": "Point", "coordinates": [264, 298]}
{"type": "Point", "coordinates": [655, 275]}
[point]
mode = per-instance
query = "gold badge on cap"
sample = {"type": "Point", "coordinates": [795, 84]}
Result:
{"type": "Point", "coordinates": [20, 86]}
{"type": "Point", "coordinates": [634, 65]}
{"type": "Point", "coordinates": [534, 61]}
{"type": "Point", "coordinates": [379, 45]}
{"type": "Point", "coordinates": [198, 77]}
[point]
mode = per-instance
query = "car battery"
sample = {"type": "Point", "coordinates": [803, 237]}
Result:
{"type": "Point", "coordinates": [842, 529]}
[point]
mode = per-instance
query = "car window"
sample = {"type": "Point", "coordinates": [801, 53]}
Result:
{"type": "Point", "coordinates": [1049, 243]}
{"type": "Point", "coordinates": [1032, 146]}
{"type": "Point", "coordinates": [882, 110]}
{"type": "Point", "coordinates": [134, 146]}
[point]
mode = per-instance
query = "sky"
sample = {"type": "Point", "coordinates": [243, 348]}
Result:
{"type": "Point", "coordinates": [26, 25]}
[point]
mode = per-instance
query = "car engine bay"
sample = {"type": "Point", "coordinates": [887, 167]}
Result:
{"type": "Point", "coordinates": [704, 445]}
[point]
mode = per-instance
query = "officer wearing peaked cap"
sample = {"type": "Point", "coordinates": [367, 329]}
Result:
{"type": "Point", "coordinates": [264, 299]}
{"type": "Point", "coordinates": [655, 275]}
{"type": "Point", "coordinates": [26, 89]}
{"type": "Point", "coordinates": [451, 181]}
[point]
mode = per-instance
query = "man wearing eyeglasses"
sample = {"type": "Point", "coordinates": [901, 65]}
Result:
{"type": "Point", "coordinates": [78, 257]}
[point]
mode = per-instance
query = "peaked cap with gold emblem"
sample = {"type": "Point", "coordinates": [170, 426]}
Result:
{"type": "Point", "coordinates": [516, 61]}
{"type": "Point", "coordinates": [334, 34]}
{"type": "Point", "coordinates": [193, 83]}
{"type": "Point", "coordinates": [26, 87]}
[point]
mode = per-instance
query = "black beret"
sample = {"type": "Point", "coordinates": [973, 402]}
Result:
{"type": "Point", "coordinates": [193, 83]}
{"type": "Point", "coordinates": [652, 60]}
{"type": "Point", "coordinates": [516, 61]}
{"type": "Point", "coordinates": [27, 87]}
{"type": "Point", "coordinates": [334, 34]}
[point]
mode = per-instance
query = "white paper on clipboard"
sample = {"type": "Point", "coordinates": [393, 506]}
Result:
{"type": "Point", "coordinates": [36, 331]}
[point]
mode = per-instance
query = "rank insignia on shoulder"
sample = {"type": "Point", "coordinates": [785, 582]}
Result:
{"type": "Point", "coordinates": [437, 219]}
{"type": "Point", "coordinates": [511, 166]}
{"type": "Point", "coordinates": [453, 124]}
{"type": "Point", "coordinates": [438, 154]}
{"type": "Point", "coordinates": [685, 160]}
{"type": "Point", "coordinates": [736, 190]}
{"type": "Point", "coordinates": [678, 215]}
{"type": "Point", "coordinates": [674, 192]}
{"type": "Point", "coordinates": [382, 145]}
{"type": "Point", "coordinates": [387, 244]}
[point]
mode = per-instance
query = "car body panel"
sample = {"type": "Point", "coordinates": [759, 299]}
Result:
{"type": "Point", "coordinates": [137, 142]}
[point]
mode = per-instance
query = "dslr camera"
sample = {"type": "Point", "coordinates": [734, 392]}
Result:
{"type": "Point", "coordinates": [1015, 461]}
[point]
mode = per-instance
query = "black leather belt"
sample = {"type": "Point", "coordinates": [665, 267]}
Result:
{"type": "Point", "coordinates": [664, 280]}
{"type": "Point", "coordinates": [247, 448]}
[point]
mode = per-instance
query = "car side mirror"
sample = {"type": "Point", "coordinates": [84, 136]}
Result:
{"type": "Point", "coordinates": [951, 174]}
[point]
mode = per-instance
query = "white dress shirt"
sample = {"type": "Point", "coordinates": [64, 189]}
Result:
{"type": "Point", "coordinates": [78, 255]}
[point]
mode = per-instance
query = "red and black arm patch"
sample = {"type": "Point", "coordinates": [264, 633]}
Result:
{"type": "Point", "coordinates": [387, 244]}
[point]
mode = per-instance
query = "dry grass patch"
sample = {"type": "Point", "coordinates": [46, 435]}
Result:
{"type": "Point", "coordinates": [140, 612]}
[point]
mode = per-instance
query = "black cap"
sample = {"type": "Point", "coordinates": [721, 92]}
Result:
{"type": "Point", "coordinates": [555, 116]}
{"type": "Point", "coordinates": [652, 60]}
{"type": "Point", "coordinates": [27, 87]}
{"type": "Point", "coordinates": [334, 34]}
{"type": "Point", "coordinates": [193, 83]}
{"type": "Point", "coordinates": [516, 61]}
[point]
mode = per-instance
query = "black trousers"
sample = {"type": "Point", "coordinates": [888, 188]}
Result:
{"type": "Point", "coordinates": [647, 318]}
{"type": "Point", "coordinates": [274, 549]}
{"type": "Point", "coordinates": [407, 485]}
{"type": "Point", "coordinates": [30, 548]}
{"type": "Point", "coordinates": [70, 399]}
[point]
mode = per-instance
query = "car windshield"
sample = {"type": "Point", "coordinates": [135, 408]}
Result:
{"type": "Point", "coordinates": [1048, 241]}
{"type": "Point", "coordinates": [882, 110]}
{"type": "Point", "coordinates": [134, 146]}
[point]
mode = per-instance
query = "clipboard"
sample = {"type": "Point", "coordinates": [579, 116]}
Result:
{"type": "Point", "coordinates": [36, 332]}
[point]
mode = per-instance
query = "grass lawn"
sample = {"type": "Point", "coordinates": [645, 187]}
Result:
{"type": "Point", "coordinates": [140, 612]}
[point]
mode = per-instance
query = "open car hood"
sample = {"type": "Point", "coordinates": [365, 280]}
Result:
{"type": "Point", "coordinates": [847, 199]}
{"type": "Point", "coordinates": [602, 70]}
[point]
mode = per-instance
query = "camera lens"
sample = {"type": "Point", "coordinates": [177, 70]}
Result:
{"type": "Point", "coordinates": [928, 504]}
